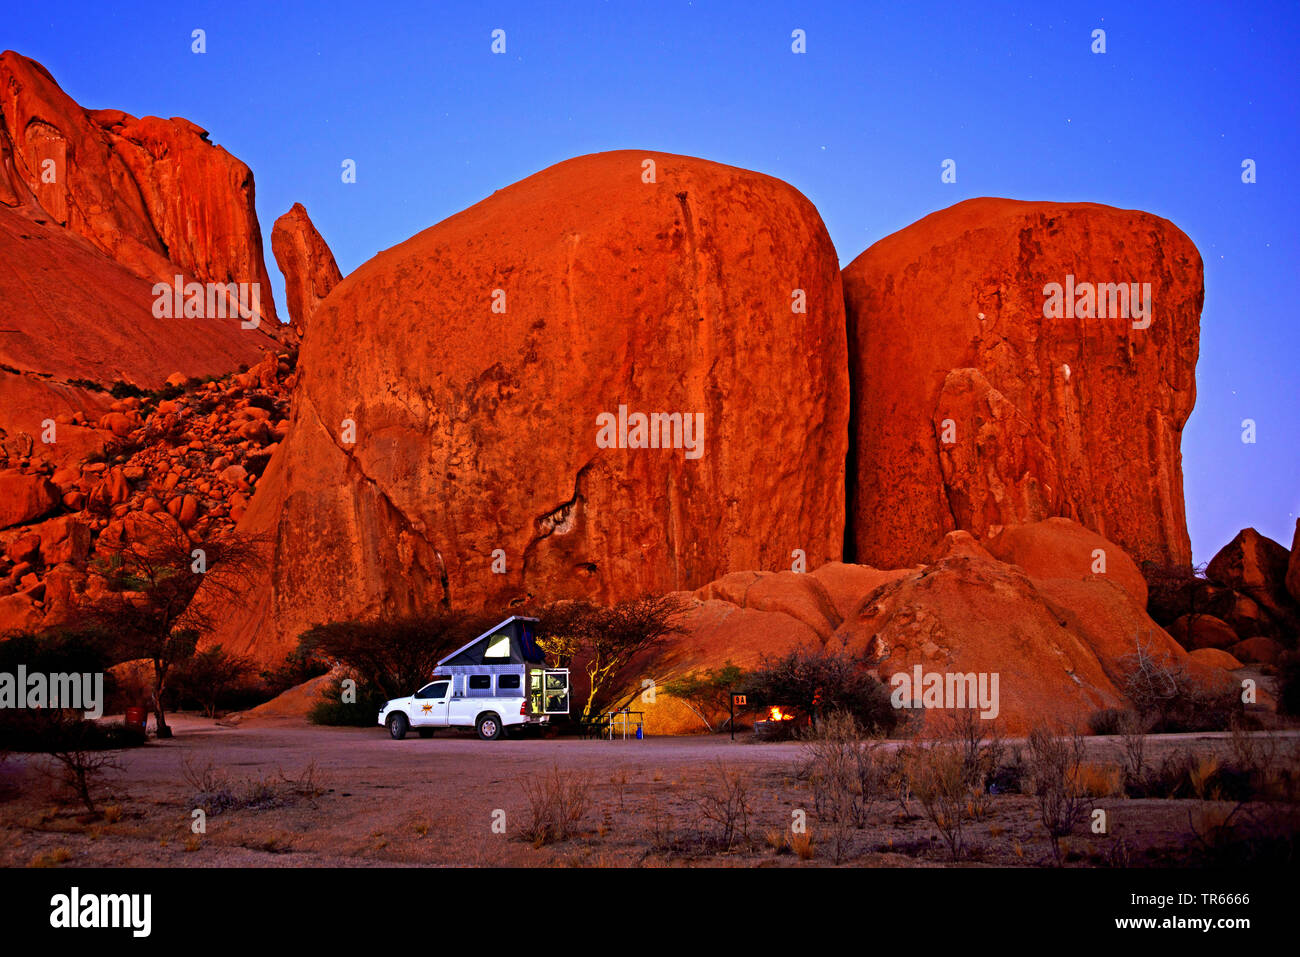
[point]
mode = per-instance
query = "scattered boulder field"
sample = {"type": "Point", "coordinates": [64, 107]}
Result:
{"type": "Point", "coordinates": [630, 372]}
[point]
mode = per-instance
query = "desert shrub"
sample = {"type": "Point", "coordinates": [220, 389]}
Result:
{"type": "Point", "coordinates": [214, 791]}
{"type": "Point", "coordinates": [78, 756]}
{"type": "Point", "coordinates": [1173, 590]}
{"type": "Point", "coordinates": [331, 709]}
{"type": "Point", "coordinates": [62, 651]}
{"type": "Point", "coordinates": [213, 679]}
{"type": "Point", "coordinates": [981, 750]}
{"type": "Point", "coordinates": [1098, 780]}
{"type": "Point", "coordinates": [820, 682]}
{"type": "Point", "coordinates": [1055, 761]}
{"type": "Point", "coordinates": [847, 776]}
{"type": "Point", "coordinates": [1170, 700]}
{"type": "Point", "coordinates": [1255, 835]}
{"type": "Point", "coordinates": [557, 803]}
{"type": "Point", "coordinates": [936, 776]}
{"type": "Point", "coordinates": [707, 692]}
{"type": "Point", "coordinates": [724, 806]}
{"type": "Point", "coordinates": [125, 390]}
{"type": "Point", "coordinates": [1009, 776]}
{"type": "Point", "coordinates": [298, 666]}
{"type": "Point", "coordinates": [1107, 721]}
{"type": "Point", "coordinates": [89, 385]}
{"type": "Point", "coordinates": [1133, 736]}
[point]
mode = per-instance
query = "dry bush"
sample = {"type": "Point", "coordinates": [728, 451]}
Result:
{"type": "Point", "coordinates": [981, 756]}
{"type": "Point", "coordinates": [896, 780]}
{"type": "Point", "coordinates": [78, 764]}
{"type": "Point", "coordinates": [847, 776]}
{"type": "Point", "coordinates": [724, 803]}
{"type": "Point", "coordinates": [1054, 763]}
{"type": "Point", "coordinates": [557, 803]}
{"type": "Point", "coordinates": [214, 792]}
{"type": "Point", "coordinates": [663, 835]}
{"type": "Point", "coordinates": [1170, 700]}
{"type": "Point", "coordinates": [1133, 736]}
{"type": "Point", "coordinates": [802, 845]}
{"type": "Point", "coordinates": [778, 841]}
{"type": "Point", "coordinates": [936, 775]}
{"type": "Point", "coordinates": [1098, 780]}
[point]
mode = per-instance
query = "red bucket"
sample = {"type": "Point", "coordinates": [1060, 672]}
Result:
{"type": "Point", "coordinates": [137, 716]}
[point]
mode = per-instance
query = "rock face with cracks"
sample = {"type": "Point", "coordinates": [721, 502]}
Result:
{"type": "Point", "coordinates": [974, 410]}
{"type": "Point", "coordinates": [458, 431]}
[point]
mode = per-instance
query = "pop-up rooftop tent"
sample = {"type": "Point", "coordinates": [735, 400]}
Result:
{"type": "Point", "coordinates": [510, 642]}
{"type": "Point", "coordinates": [502, 662]}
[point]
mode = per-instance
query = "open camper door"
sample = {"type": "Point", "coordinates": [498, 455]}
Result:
{"type": "Point", "coordinates": [548, 690]}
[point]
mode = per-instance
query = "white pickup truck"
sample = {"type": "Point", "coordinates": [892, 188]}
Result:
{"type": "Point", "coordinates": [493, 704]}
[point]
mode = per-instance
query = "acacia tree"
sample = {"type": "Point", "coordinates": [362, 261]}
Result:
{"type": "Point", "coordinates": [150, 582]}
{"type": "Point", "coordinates": [604, 641]}
{"type": "Point", "coordinates": [211, 674]}
{"type": "Point", "coordinates": [396, 655]}
{"type": "Point", "coordinates": [706, 692]}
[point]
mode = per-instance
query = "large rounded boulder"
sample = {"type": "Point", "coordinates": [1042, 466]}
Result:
{"type": "Point", "coordinates": [626, 373]}
{"type": "Point", "coordinates": [1014, 361]}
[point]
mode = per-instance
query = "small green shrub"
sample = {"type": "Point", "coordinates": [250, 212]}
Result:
{"type": "Point", "coordinates": [333, 711]}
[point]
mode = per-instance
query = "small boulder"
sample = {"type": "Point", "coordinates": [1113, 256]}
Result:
{"type": "Point", "coordinates": [24, 497]}
{"type": "Point", "coordinates": [1256, 565]}
{"type": "Point", "coordinates": [1257, 651]}
{"type": "Point", "coordinates": [1215, 658]}
{"type": "Point", "coordinates": [1203, 631]}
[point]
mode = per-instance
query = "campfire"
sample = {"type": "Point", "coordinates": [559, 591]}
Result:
{"type": "Point", "coordinates": [780, 722]}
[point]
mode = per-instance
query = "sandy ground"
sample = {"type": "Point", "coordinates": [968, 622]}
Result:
{"type": "Point", "coordinates": [309, 796]}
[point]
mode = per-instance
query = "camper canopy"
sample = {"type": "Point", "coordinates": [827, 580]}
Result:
{"type": "Point", "coordinates": [510, 642]}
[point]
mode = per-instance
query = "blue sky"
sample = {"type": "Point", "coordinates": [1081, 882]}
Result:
{"type": "Point", "coordinates": [860, 124]}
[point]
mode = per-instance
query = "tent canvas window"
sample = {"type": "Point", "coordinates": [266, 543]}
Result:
{"type": "Point", "coordinates": [510, 642]}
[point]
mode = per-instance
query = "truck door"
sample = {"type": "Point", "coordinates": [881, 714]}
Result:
{"type": "Point", "coordinates": [556, 697]}
{"type": "Point", "coordinates": [548, 691]}
{"type": "Point", "coordinates": [429, 705]}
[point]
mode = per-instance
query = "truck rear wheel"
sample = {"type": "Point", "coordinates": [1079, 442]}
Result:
{"type": "Point", "coordinates": [489, 726]}
{"type": "Point", "coordinates": [397, 725]}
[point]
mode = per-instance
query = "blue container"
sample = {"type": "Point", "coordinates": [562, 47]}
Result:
{"type": "Point", "coordinates": [640, 733]}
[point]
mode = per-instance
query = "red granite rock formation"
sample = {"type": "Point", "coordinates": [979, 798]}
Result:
{"type": "Point", "coordinates": [449, 441]}
{"type": "Point", "coordinates": [310, 271]}
{"type": "Point", "coordinates": [153, 194]}
{"type": "Point", "coordinates": [975, 410]}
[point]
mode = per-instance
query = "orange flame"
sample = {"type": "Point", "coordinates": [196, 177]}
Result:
{"type": "Point", "coordinates": [776, 714]}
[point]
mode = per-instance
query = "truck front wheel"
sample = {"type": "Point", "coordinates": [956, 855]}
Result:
{"type": "Point", "coordinates": [489, 726]}
{"type": "Point", "coordinates": [397, 725]}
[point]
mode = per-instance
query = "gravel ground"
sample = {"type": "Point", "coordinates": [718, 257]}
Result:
{"type": "Point", "coordinates": [283, 793]}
